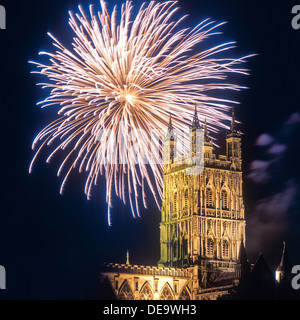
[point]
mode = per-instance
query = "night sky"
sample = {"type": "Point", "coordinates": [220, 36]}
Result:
{"type": "Point", "coordinates": [50, 244]}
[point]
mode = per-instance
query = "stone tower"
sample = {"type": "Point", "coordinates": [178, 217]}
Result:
{"type": "Point", "coordinates": [202, 215]}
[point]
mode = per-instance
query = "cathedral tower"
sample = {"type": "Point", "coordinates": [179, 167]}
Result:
{"type": "Point", "coordinates": [202, 215]}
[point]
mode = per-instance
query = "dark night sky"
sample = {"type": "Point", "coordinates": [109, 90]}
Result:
{"type": "Point", "coordinates": [51, 245]}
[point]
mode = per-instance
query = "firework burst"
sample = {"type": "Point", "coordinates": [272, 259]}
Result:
{"type": "Point", "coordinates": [118, 84]}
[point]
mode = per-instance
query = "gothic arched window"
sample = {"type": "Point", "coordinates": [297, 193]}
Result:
{"type": "Point", "coordinates": [184, 295]}
{"type": "Point", "coordinates": [236, 182]}
{"type": "Point", "coordinates": [225, 250]}
{"type": "Point", "coordinates": [166, 293]}
{"type": "Point", "coordinates": [209, 200]}
{"type": "Point", "coordinates": [175, 202]}
{"type": "Point", "coordinates": [224, 199]}
{"type": "Point", "coordinates": [210, 247]}
{"type": "Point", "coordinates": [146, 293]}
{"type": "Point", "coordinates": [126, 292]}
{"type": "Point", "coordinates": [186, 198]}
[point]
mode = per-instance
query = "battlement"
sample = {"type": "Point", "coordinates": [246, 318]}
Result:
{"type": "Point", "coordinates": [148, 270]}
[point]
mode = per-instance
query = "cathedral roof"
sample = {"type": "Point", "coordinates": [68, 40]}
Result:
{"type": "Point", "coordinates": [261, 271]}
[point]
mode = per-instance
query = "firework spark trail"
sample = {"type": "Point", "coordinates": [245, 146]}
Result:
{"type": "Point", "coordinates": [125, 75]}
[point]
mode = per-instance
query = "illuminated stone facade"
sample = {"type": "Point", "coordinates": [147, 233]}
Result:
{"type": "Point", "coordinates": [202, 226]}
{"type": "Point", "coordinates": [202, 216]}
{"type": "Point", "coordinates": [132, 282]}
